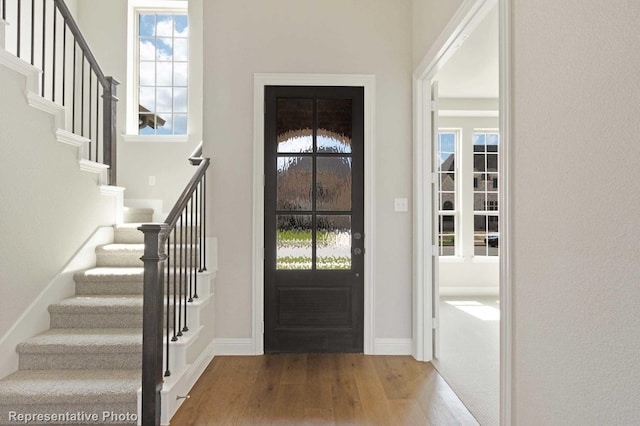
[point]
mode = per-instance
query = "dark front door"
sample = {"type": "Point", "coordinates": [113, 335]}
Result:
{"type": "Point", "coordinates": [314, 219]}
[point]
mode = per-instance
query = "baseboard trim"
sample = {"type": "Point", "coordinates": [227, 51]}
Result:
{"type": "Point", "coordinates": [244, 346]}
{"type": "Point", "coordinates": [233, 346]}
{"type": "Point", "coordinates": [392, 346]}
{"type": "Point", "coordinates": [470, 291]}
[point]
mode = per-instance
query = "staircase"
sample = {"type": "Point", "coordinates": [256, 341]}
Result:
{"type": "Point", "coordinates": [87, 368]}
{"type": "Point", "coordinates": [89, 362]}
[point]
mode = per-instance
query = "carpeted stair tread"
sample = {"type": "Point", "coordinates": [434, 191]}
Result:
{"type": "Point", "coordinates": [98, 305]}
{"type": "Point", "coordinates": [39, 387]}
{"type": "Point", "coordinates": [86, 341]}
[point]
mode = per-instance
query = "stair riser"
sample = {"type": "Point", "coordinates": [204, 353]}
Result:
{"type": "Point", "coordinates": [96, 409]}
{"type": "Point", "coordinates": [68, 361]}
{"type": "Point", "coordinates": [116, 289]}
{"type": "Point", "coordinates": [133, 236]}
{"type": "Point", "coordinates": [123, 260]}
{"type": "Point", "coordinates": [128, 236]}
{"type": "Point", "coordinates": [114, 320]}
{"type": "Point", "coordinates": [87, 320]}
{"type": "Point", "coordinates": [133, 260]}
{"type": "Point", "coordinates": [109, 288]}
{"type": "Point", "coordinates": [138, 218]}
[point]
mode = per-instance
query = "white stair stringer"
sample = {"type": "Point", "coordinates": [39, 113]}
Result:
{"type": "Point", "coordinates": [3, 23]}
{"type": "Point", "coordinates": [183, 376]}
{"type": "Point", "coordinates": [61, 115]}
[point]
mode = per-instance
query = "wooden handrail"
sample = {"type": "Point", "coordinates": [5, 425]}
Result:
{"type": "Point", "coordinates": [180, 205]}
{"type": "Point", "coordinates": [196, 156]}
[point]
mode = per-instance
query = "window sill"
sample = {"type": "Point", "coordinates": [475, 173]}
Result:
{"type": "Point", "coordinates": [486, 259]}
{"type": "Point", "coordinates": [156, 138]}
{"type": "Point", "coordinates": [451, 259]}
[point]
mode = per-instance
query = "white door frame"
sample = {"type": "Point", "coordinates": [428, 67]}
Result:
{"type": "Point", "coordinates": [466, 19]}
{"type": "Point", "coordinates": [356, 80]}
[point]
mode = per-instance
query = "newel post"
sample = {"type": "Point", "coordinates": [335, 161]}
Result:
{"type": "Point", "coordinates": [110, 114]}
{"type": "Point", "coordinates": [154, 259]}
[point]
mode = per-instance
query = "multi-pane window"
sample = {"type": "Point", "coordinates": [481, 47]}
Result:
{"type": "Point", "coordinates": [446, 157]}
{"type": "Point", "coordinates": [163, 48]}
{"type": "Point", "coordinates": [485, 193]}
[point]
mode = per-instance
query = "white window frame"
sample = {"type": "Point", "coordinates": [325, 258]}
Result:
{"type": "Point", "coordinates": [456, 211]}
{"type": "Point", "coordinates": [134, 8]}
{"type": "Point", "coordinates": [486, 212]}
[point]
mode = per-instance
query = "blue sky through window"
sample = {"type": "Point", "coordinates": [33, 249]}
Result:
{"type": "Point", "coordinates": [446, 145]}
{"type": "Point", "coordinates": [163, 71]}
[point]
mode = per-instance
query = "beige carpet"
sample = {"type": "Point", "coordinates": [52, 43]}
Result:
{"type": "Point", "coordinates": [469, 353]}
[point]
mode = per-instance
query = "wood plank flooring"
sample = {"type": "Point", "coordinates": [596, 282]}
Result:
{"type": "Point", "coordinates": [321, 389]}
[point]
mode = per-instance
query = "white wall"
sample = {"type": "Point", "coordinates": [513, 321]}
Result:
{"type": "Point", "coordinates": [49, 207]}
{"type": "Point", "coordinates": [576, 236]}
{"type": "Point", "coordinates": [463, 272]}
{"type": "Point", "coordinates": [167, 161]}
{"type": "Point", "coordinates": [289, 36]}
{"type": "Point", "coordinates": [429, 19]}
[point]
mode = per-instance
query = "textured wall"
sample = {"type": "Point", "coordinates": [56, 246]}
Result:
{"type": "Point", "coordinates": [48, 207]}
{"type": "Point", "coordinates": [576, 235]}
{"type": "Point", "coordinates": [429, 19]}
{"type": "Point", "coordinates": [139, 160]}
{"type": "Point", "coordinates": [289, 36]}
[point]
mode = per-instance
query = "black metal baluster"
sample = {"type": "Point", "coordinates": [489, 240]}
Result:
{"type": "Point", "coordinates": [188, 250]}
{"type": "Point", "coordinates": [167, 372]}
{"type": "Point", "coordinates": [204, 222]}
{"type": "Point", "coordinates": [4, 10]}
{"type": "Point", "coordinates": [44, 45]}
{"type": "Point", "coordinates": [200, 238]}
{"type": "Point", "coordinates": [82, 103]}
{"type": "Point", "coordinates": [186, 265]}
{"type": "Point", "coordinates": [33, 29]}
{"type": "Point", "coordinates": [19, 25]}
{"type": "Point", "coordinates": [53, 57]}
{"type": "Point", "coordinates": [196, 265]}
{"type": "Point", "coordinates": [181, 268]}
{"type": "Point", "coordinates": [191, 253]}
{"type": "Point", "coordinates": [97, 116]}
{"type": "Point", "coordinates": [73, 87]}
{"type": "Point", "coordinates": [91, 105]}
{"type": "Point", "coordinates": [64, 61]}
{"type": "Point", "coordinates": [175, 290]}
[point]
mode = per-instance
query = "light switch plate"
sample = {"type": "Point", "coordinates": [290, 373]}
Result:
{"type": "Point", "coordinates": [401, 204]}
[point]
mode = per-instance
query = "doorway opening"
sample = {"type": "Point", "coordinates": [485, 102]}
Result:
{"type": "Point", "coordinates": [461, 195]}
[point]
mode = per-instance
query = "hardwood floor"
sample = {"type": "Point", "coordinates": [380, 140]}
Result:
{"type": "Point", "coordinates": [321, 389]}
